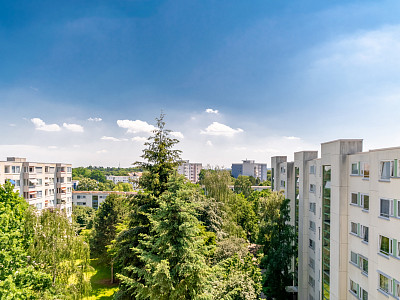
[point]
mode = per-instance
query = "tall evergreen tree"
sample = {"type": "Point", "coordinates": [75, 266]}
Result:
{"type": "Point", "coordinates": [172, 254]}
{"type": "Point", "coordinates": [160, 163]}
{"type": "Point", "coordinates": [279, 247]}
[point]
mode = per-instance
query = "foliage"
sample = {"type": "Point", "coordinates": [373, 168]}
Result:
{"type": "Point", "coordinates": [110, 213]}
{"type": "Point", "coordinates": [236, 278]}
{"type": "Point", "coordinates": [81, 172]}
{"type": "Point", "coordinates": [98, 176]}
{"type": "Point", "coordinates": [279, 247]}
{"type": "Point", "coordinates": [161, 159]}
{"type": "Point", "coordinates": [230, 246]}
{"type": "Point", "coordinates": [243, 185]}
{"type": "Point", "coordinates": [173, 253]}
{"type": "Point", "coordinates": [88, 184]}
{"type": "Point", "coordinates": [56, 250]}
{"type": "Point", "coordinates": [123, 187]}
{"type": "Point", "coordinates": [83, 216]}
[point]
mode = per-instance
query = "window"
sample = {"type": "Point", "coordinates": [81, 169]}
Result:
{"type": "Point", "coordinates": [354, 258]}
{"type": "Point", "coordinates": [384, 283]}
{"type": "Point", "coordinates": [39, 205]}
{"type": "Point", "coordinates": [354, 198]}
{"type": "Point", "coordinates": [386, 170]}
{"type": "Point", "coordinates": [312, 244]}
{"type": "Point", "coordinates": [354, 228]}
{"type": "Point", "coordinates": [31, 169]}
{"type": "Point", "coordinates": [385, 245]}
{"type": "Point", "coordinates": [312, 169]}
{"type": "Point", "coordinates": [312, 263]}
{"type": "Point", "coordinates": [15, 169]}
{"type": "Point", "coordinates": [364, 265]}
{"type": "Point", "coordinates": [364, 233]}
{"type": "Point", "coordinates": [396, 286]}
{"type": "Point", "coordinates": [365, 202]}
{"type": "Point", "coordinates": [283, 170]}
{"type": "Point", "coordinates": [39, 170]}
{"type": "Point", "coordinates": [353, 287]}
{"type": "Point", "coordinates": [365, 170]}
{"type": "Point", "coordinates": [312, 226]}
{"type": "Point", "coordinates": [39, 194]}
{"type": "Point", "coordinates": [364, 294]}
{"type": "Point", "coordinates": [386, 208]}
{"type": "Point", "coordinates": [283, 183]}
{"type": "Point", "coordinates": [311, 281]}
{"type": "Point", "coordinates": [69, 169]}
{"type": "Point", "coordinates": [313, 207]}
{"type": "Point", "coordinates": [312, 188]}
{"type": "Point", "coordinates": [354, 169]}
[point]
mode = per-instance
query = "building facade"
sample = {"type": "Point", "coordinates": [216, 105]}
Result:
{"type": "Point", "coordinates": [93, 198]}
{"type": "Point", "coordinates": [346, 210]}
{"type": "Point", "coordinates": [250, 168]}
{"type": "Point", "coordinates": [190, 170]}
{"type": "Point", "coordinates": [43, 185]}
{"type": "Point", "coordinates": [132, 178]}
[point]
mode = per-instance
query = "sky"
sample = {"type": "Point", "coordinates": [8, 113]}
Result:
{"type": "Point", "coordinates": [82, 82]}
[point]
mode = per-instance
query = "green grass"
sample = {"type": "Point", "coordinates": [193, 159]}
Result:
{"type": "Point", "coordinates": [102, 289]}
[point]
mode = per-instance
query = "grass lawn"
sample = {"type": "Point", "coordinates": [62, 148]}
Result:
{"type": "Point", "coordinates": [100, 280]}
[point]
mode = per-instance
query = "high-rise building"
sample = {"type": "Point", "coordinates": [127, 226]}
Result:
{"type": "Point", "coordinates": [345, 207]}
{"type": "Point", "coordinates": [250, 168]}
{"type": "Point", "coordinates": [43, 185]}
{"type": "Point", "coordinates": [190, 170]}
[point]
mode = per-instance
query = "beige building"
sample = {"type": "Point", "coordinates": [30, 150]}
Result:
{"type": "Point", "coordinates": [346, 209]}
{"type": "Point", "coordinates": [43, 185]}
{"type": "Point", "coordinates": [132, 178]}
{"type": "Point", "coordinates": [93, 198]}
{"type": "Point", "coordinates": [190, 170]}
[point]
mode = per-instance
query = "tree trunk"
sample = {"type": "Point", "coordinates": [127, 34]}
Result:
{"type": "Point", "coordinates": [112, 272]}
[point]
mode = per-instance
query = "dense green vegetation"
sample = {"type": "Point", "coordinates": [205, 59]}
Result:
{"type": "Point", "coordinates": [172, 240]}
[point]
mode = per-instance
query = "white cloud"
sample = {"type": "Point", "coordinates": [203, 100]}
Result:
{"type": "Point", "coordinates": [52, 147]}
{"type": "Point", "coordinates": [240, 148]}
{"type": "Point", "coordinates": [101, 151]}
{"type": "Point", "coordinates": [136, 126]}
{"type": "Point", "coordinates": [220, 130]}
{"type": "Point", "coordinates": [73, 127]}
{"type": "Point", "coordinates": [212, 111]}
{"type": "Point", "coordinates": [41, 125]}
{"type": "Point", "coordinates": [139, 139]}
{"type": "Point", "coordinates": [95, 119]}
{"type": "Point", "coordinates": [291, 138]}
{"type": "Point", "coordinates": [177, 134]}
{"type": "Point", "coordinates": [12, 125]}
{"type": "Point", "coordinates": [209, 143]}
{"type": "Point", "coordinates": [111, 138]}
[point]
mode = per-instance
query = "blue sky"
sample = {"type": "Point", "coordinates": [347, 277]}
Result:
{"type": "Point", "coordinates": [236, 79]}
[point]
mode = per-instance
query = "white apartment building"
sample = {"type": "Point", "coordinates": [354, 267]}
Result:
{"type": "Point", "coordinates": [132, 178]}
{"type": "Point", "coordinates": [250, 168]}
{"type": "Point", "coordinates": [190, 170]}
{"type": "Point", "coordinates": [346, 209]}
{"type": "Point", "coordinates": [43, 185]}
{"type": "Point", "coordinates": [94, 198]}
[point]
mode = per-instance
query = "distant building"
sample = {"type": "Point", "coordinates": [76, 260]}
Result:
{"type": "Point", "coordinates": [132, 178]}
{"type": "Point", "coordinates": [93, 198]}
{"type": "Point", "coordinates": [190, 170]}
{"type": "Point", "coordinates": [43, 185]}
{"type": "Point", "coordinates": [250, 168]}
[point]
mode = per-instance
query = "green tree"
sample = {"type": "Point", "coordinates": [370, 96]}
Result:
{"type": "Point", "coordinates": [243, 185]}
{"type": "Point", "coordinates": [279, 247]}
{"type": "Point", "coordinates": [110, 214]}
{"type": "Point", "coordinates": [87, 184]}
{"type": "Point", "coordinates": [123, 187]}
{"type": "Point", "coordinates": [172, 253]}
{"type": "Point", "coordinates": [83, 217]}
{"type": "Point", "coordinates": [98, 176]}
{"type": "Point", "coordinates": [58, 251]}
{"type": "Point", "coordinates": [161, 159]}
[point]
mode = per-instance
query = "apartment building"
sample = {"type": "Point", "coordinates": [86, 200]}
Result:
{"type": "Point", "coordinates": [43, 185]}
{"type": "Point", "coordinates": [132, 178]}
{"type": "Point", "coordinates": [93, 198]}
{"type": "Point", "coordinates": [346, 209]}
{"type": "Point", "coordinates": [250, 168]}
{"type": "Point", "coordinates": [190, 170]}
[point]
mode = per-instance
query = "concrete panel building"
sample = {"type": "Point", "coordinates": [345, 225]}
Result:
{"type": "Point", "coordinates": [43, 185]}
{"type": "Point", "coordinates": [347, 213]}
{"type": "Point", "coordinates": [190, 170]}
{"type": "Point", "coordinates": [94, 198]}
{"type": "Point", "coordinates": [250, 168]}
